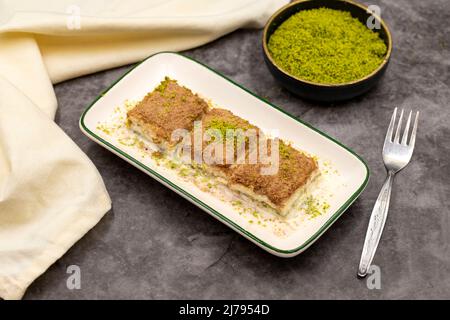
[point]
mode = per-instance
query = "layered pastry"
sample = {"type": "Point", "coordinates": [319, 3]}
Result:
{"type": "Point", "coordinates": [248, 168]}
{"type": "Point", "coordinates": [279, 187]}
{"type": "Point", "coordinates": [221, 129]}
{"type": "Point", "coordinates": [165, 109]}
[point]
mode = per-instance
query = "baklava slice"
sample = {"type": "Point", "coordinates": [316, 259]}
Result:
{"type": "Point", "coordinates": [283, 187]}
{"type": "Point", "coordinates": [165, 109]}
{"type": "Point", "coordinates": [221, 129]}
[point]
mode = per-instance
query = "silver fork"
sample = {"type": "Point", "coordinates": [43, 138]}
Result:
{"type": "Point", "coordinates": [396, 155]}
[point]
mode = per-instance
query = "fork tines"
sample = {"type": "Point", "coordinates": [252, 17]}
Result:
{"type": "Point", "coordinates": [396, 138]}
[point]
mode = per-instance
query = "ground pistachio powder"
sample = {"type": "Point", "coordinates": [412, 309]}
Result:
{"type": "Point", "coordinates": [326, 46]}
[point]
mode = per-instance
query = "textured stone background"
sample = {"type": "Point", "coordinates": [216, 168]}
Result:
{"type": "Point", "coordinates": [154, 244]}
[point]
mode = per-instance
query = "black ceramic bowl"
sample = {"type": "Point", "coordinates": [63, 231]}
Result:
{"type": "Point", "coordinates": [319, 91]}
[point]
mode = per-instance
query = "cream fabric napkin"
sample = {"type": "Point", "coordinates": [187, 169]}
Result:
{"type": "Point", "coordinates": [50, 192]}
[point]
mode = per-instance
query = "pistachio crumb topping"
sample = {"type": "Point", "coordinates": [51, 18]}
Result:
{"type": "Point", "coordinates": [326, 46]}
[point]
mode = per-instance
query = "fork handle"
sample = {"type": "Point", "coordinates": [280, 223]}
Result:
{"type": "Point", "coordinates": [376, 225]}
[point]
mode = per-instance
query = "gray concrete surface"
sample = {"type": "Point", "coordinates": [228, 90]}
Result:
{"type": "Point", "coordinates": [154, 244]}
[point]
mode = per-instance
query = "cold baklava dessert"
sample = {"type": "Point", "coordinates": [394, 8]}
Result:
{"type": "Point", "coordinates": [225, 146]}
{"type": "Point", "coordinates": [280, 187]}
{"type": "Point", "coordinates": [222, 140]}
{"type": "Point", "coordinates": [167, 108]}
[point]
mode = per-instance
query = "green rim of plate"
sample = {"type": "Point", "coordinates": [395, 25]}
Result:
{"type": "Point", "coordinates": [204, 206]}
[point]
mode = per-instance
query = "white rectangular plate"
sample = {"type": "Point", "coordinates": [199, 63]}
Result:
{"type": "Point", "coordinates": [350, 180]}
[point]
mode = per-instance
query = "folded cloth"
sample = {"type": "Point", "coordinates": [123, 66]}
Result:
{"type": "Point", "coordinates": [50, 192]}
